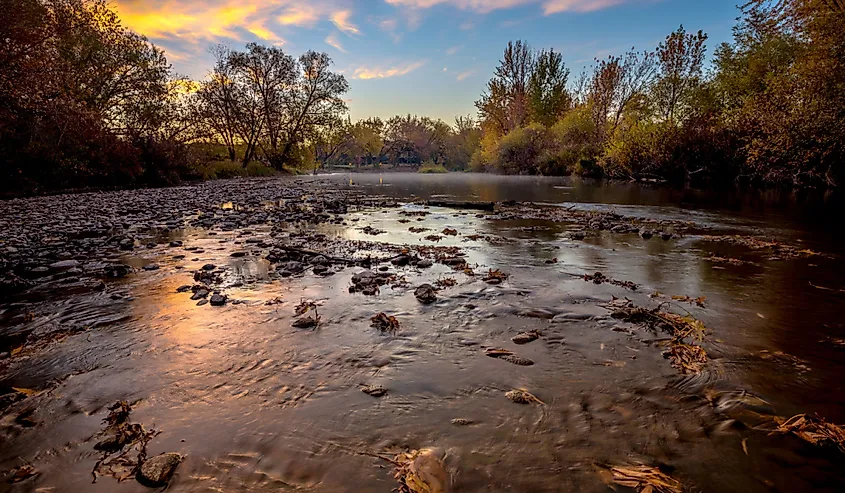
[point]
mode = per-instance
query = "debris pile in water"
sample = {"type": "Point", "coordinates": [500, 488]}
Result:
{"type": "Point", "coordinates": [385, 322]}
{"type": "Point", "coordinates": [645, 479]}
{"type": "Point", "coordinates": [688, 358]}
{"type": "Point", "coordinates": [124, 444]}
{"type": "Point", "coordinates": [814, 430]}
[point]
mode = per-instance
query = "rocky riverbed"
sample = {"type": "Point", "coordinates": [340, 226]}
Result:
{"type": "Point", "coordinates": [291, 333]}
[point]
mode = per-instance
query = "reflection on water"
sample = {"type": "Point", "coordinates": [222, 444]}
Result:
{"type": "Point", "coordinates": [257, 405]}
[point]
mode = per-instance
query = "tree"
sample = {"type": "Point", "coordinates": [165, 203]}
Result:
{"type": "Point", "coordinates": [680, 58]}
{"type": "Point", "coordinates": [548, 96]}
{"type": "Point", "coordinates": [617, 81]}
{"type": "Point", "coordinates": [505, 103]}
{"type": "Point", "coordinates": [217, 101]}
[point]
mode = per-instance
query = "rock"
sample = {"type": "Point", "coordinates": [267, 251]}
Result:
{"type": "Point", "coordinates": [666, 236]}
{"type": "Point", "coordinates": [200, 293]}
{"type": "Point", "coordinates": [461, 422]}
{"type": "Point", "coordinates": [526, 337]}
{"type": "Point", "coordinates": [218, 300]}
{"type": "Point", "coordinates": [294, 267]}
{"type": "Point", "coordinates": [126, 244]}
{"type": "Point", "coordinates": [374, 390]}
{"type": "Point", "coordinates": [183, 289]}
{"type": "Point", "coordinates": [64, 264]}
{"type": "Point", "coordinates": [202, 302]}
{"type": "Point", "coordinates": [157, 471]}
{"type": "Point", "coordinates": [208, 267]}
{"type": "Point", "coordinates": [320, 269]}
{"type": "Point", "coordinates": [401, 260]}
{"type": "Point", "coordinates": [619, 228]}
{"type": "Point", "coordinates": [149, 267]}
{"type": "Point", "coordinates": [426, 294]}
{"type": "Point", "coordinates": [238, 254]}
{"type": "Point", "coordinates": [175, 243]}
{"type": "Point", "coordinates": [577, 235]}
{"type": "Point", "coordinates": [117, 270]}
{"type": "Point", "coordinates": [646, 235]}
{"type": "Point", "coordinates": [425, 263]}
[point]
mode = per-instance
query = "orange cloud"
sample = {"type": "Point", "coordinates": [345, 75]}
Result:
{"type": "Point", "coordinates": [214, 19]}
{"type": "Point", "coordinates": [464, 75]}
{"type": "Point", "coordinates": [385, 72]}
{"type": "Point", "coordinates": [557, 6]}
{"type": "Point", "coordinates": [341, 20]}
{"type": "Point", "coordinates": [332, 41]}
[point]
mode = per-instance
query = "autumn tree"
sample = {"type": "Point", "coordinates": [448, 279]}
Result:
{"type": "Point", "coordinates": [504, 105]}
{"type": "Point", "coordinates": [680, 58]}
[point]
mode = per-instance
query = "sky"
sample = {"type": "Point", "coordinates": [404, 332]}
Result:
{"type": "Point", "coordinates": [425, 57]}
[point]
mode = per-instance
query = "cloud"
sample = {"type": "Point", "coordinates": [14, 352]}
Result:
{"type": "Point", "coordinates": [385, 72]}
{"type": "Point", "coordinates": [454, 49]}
{"type": "Point", "coordinates": [215, 20]}
{"type": "Point", "coordinates": [485, 6]}
{"type": "Point", "coordinates": [557, 6]}
{"type": "Point", "coordinates": [332, 40]}
{"type": "Point", "coordinates": [481, 6]}
{"type": "Point", "coordinates": [464, 75]}
{"type": "Point", "coordinates": [341, 20]}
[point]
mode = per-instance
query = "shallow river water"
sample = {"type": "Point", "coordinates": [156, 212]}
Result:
{"type": "Point", "coordinates": [256, 405]}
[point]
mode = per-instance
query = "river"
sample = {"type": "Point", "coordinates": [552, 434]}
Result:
{"type": "Point", "coordinates": [254, 404]}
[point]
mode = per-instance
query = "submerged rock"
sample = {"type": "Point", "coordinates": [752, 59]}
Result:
{"type": "Point", "coordinates": [426, 294]}
{"type": "Point", "coordinates": [157, 471]}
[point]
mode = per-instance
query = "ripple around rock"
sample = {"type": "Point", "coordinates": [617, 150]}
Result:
{"type": "Point", "coordinates": [157, 471]}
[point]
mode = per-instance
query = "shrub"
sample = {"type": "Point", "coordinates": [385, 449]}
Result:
{"type": "Point", "coordinates": [520, 149]}
{"type": "Point", "coordinates": [432, 167]}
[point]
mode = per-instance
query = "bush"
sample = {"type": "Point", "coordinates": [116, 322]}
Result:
{"type": "Point", "coordinates": [432, 167]}
{"type": "Point", "coordinates": [519, 150]}
{"type": "Point", "coordinates": [577, 145]}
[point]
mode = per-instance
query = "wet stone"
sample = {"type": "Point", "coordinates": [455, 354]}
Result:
{"type": "Point", "coordinates": [218, 300]}
{"type": "Point", "coordinates": [426, 294]}
{"type": "Point", "coordinates": [374, 390]}
{"type": "Point", "coordinates": [199, 293]}
{"type": "Point", "coordinates": [64, 264]}
{"type": "Point", "coordinates": [175, 243]}
{"type": "Point", "coordinates": [157, 471]}
{"type": "Point", "coordinates": [150, 267]}
{"type": "Point", "coordinates": [208, 267]}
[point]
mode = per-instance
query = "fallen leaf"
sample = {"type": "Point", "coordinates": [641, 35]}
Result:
{"type": "Point", "coordinates": [24, 391]}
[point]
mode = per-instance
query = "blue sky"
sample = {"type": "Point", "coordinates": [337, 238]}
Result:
{"type": "Point", "coordinates": [428, 57]}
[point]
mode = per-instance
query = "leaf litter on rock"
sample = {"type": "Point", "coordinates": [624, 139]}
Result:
{"type": "Point", "coordinates": [522, 396]}
{"type": "Point", "coordinates": [121, 439]}
{"type": "Point", "coordinates": [385, 322]}
{"type": "Point", "coordinates": [420, 471]}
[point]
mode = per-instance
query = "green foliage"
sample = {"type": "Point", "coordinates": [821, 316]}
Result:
{"type": "Point", "coordinates": [430, 167]}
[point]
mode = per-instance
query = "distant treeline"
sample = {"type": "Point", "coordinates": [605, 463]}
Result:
{"type": "Point", "coordinates": [771, 110]}
{"type": "Point", "coordinates": [86, 102]}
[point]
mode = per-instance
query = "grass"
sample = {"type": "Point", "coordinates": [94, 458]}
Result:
{"type": "Point", "coordinates": [429, 167]}
{"type": "Point", "coordinates": [222, 169]}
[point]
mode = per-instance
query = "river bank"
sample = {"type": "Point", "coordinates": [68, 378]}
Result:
{"type": "Point", "coordinates": [240, 320]}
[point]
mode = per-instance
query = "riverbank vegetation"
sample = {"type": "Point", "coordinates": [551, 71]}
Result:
{"type": "Point", "coordinates": [86, 102]}
{"type": "Point", "coordinates": [770, 109]}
